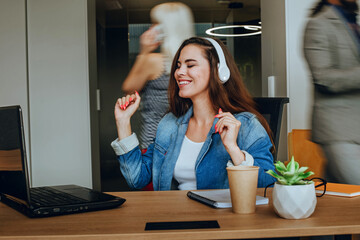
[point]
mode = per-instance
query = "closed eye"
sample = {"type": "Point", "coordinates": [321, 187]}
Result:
{"type": "Point", "coordinates": [190, 62]}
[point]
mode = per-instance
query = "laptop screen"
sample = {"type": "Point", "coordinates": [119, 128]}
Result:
{"type": "Point", "coordinates": [12, 172]}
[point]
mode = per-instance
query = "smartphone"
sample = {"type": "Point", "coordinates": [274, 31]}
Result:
{"type": "Point", "coordinates": [159, 33]}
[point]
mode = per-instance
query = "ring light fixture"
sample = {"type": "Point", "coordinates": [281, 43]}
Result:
{"type": "Point", "coordinates": [252, 28]}
{"type": "Point", "coordinates": [255, 28]}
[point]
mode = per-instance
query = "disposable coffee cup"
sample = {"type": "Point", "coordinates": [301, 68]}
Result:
{"type": "Point", "coordinates": [243, 186]}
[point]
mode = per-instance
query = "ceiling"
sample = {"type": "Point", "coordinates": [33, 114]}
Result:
{"type": "Point", "coordinates": [205, 11]}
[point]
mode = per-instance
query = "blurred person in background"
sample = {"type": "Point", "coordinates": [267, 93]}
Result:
{"type": "Point", "coordinates": [172, 23]}
{"type": "Point", "coordinates": [332, 50]}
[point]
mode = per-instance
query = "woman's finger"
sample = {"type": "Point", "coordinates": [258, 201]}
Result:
{"type": "Point", "coordinates": [224, 114]}
{"type": "Point", "coordinates": [137, 99]}
{"type": "Point", "coordinates": [118, 103]}
{"type": "Point", "coordinates": [123, 101]}
{"type": "Point", "coordinates": [226, 120]}
{"type": "Point", "coordinates": [132, 98]}
{"type": "Point", "coordinates": [225, 123]}
{"type": "Point", "coordinates": [127, 101]}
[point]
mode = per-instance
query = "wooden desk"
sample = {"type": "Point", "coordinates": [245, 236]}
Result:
{"type": "Point", "coordinates": [333, 216]}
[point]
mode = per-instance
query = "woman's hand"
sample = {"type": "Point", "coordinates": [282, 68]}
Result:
{"type": "Point", "coordinates": [228, 127]}
{"type": "Point", "coordinates": [148, 41]}
{"type": "Point", "coordinates": [125, 107]}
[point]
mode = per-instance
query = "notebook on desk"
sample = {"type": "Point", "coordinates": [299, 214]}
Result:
{"type": "Point", "coordinates": [46, 201]}
{"type": "Point", "coordinates": [219, 198]}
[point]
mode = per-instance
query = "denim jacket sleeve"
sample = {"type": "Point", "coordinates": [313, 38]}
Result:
{"type": "Point", "coordinates": [255, 140]}
{"type": "Point", "coordinates": [137, 167]}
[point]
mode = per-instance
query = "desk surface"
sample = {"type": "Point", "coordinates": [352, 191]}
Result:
{"type": "Point", "coordinates": [333, 216]}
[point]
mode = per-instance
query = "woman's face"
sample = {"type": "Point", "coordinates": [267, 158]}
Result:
{"type": "Point", "coordinates": [192, 73]}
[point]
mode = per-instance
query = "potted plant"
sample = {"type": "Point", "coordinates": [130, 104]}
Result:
{"type": "Point", "coordinates": [293, 196]}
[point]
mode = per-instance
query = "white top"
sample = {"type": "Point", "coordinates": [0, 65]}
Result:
{"type": "Point", "coordinates": [184, 172]}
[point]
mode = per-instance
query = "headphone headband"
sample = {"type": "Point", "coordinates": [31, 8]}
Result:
{"type": "Point", "coordinates": [223, 70]}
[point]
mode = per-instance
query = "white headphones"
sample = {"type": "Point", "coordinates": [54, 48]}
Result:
{"type": "Point", "coordinates": [223, 70]}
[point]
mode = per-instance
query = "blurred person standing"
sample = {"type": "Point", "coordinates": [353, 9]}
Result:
{"type": "Point", "coordinates": [172, 23]}
{"type": "Point", "coordinates": [332, 50]}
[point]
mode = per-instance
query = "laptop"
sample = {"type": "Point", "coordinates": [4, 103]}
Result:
{"type": "Point", "coordinates": [46, 201]}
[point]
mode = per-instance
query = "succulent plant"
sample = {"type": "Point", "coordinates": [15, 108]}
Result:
{"type": "Point", "coordinates": [291, 174]}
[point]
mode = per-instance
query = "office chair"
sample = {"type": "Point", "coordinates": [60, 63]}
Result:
{"type": "Point", "coordinates": [306, 152]}
{"type": "Point", "coordinates": [272, 108]}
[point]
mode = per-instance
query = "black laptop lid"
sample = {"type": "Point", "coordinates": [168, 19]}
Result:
{"type": "Point", "coordinates": [13, 170]}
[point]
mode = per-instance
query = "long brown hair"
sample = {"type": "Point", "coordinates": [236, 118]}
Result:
{"type": "Point", "coordinates": [231, 96]}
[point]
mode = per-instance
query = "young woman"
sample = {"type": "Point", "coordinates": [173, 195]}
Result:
{"type": "Point", "coordinates": [212, 123]}
{"type": "Point", "coordinates": [172, 24]}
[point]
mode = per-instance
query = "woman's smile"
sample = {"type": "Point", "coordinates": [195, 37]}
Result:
{"type": "Point", "coordinates": [183, 82]}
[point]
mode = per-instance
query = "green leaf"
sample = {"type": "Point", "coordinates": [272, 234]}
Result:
{"type": "Point", "coordinates": [291, 166]}
{"type": "Point", "coordinates": [296, 166]}
{"type": "Point", "coordinates": [288, 174]}
{"type": "Point", "coordinates": [306, 175]}
{"type": "Point", "coordinates": [272, 173]}
{"type": "Point", "coordinates": [303, 169]}
{"type": "Point", "coordinates": [280, 169]}
{"type": "Point", "coordinates": [303, 182]}
{"type": "Point", "coordinates": [296, 180]}
{"type": "Point", "coordinates": [283, 181]}
{"type": "Point", "coordinates": [281, 165]}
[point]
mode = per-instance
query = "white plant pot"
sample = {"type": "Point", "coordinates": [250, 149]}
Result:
{"type": "Point", "coordinates": [294, 201]}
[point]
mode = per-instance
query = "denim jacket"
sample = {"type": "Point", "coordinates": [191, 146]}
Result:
{"type": "Point", "coordinates": [158, 163]}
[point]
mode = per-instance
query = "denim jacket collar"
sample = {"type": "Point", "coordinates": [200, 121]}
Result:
{"type": "Point", "coordinates": [184, 119]}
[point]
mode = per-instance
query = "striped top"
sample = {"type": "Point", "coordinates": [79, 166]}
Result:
{"type": "Point", "coordinates": [154, 105]}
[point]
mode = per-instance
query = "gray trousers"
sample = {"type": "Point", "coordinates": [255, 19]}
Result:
{"type": "Point", "coordinates": [343, 162]}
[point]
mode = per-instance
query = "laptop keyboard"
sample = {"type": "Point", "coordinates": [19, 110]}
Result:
{"type": "Point", "coordinates": [46, 196]}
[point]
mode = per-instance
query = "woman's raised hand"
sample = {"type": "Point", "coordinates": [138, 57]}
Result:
{"type": "Point", "coordinates": [228, 127]}
{"type": "Point", "coordinates": [125, 107]}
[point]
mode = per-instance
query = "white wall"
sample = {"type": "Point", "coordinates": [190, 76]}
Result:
{"type": "Point", "coordinates": [54, 90]}
{"type": "Point", "coordinates": [300, 88]}
{"type": "Point", "coordinates": [59, 92]}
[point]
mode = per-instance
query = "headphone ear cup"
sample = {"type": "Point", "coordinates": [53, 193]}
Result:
{"type": "Point", "coordinates": [223, 70]}
{"type": "Point", "coordinates": [224, 73]}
